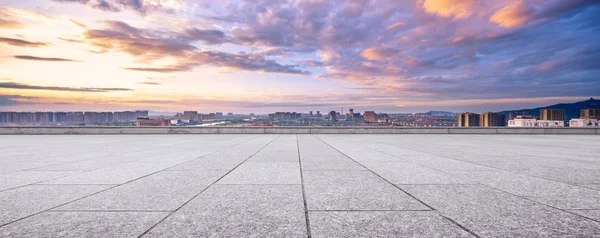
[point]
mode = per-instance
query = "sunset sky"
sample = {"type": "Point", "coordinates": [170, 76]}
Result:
{"type": "Point", "coordinates": [297, 55]}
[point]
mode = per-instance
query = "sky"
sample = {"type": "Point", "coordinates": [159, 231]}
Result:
{"type": "Point", "coordinates": [263, 56]}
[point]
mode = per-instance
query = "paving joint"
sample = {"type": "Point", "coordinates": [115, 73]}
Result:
{"type": "Point", "coordinates": [198, 194]}
{"type": "Point", "coordinates": [430, 207]}
{"type": "Point", "coordinates": [22, 218]}
{"type": "Point", "coordinates": [308, 231]}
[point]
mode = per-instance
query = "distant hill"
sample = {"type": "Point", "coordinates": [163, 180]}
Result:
{"type": "Point", "coordinates": [440, 113]}
{"type": "Point", "coordinates": [572, 110]}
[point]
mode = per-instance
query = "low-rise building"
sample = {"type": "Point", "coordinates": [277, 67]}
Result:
{"type": "Point", "coordinates": [583, 122]}
{"type": "Point", "coordinates": [152, 122]}
{"type": "Point", "coordinates": [521, 121]}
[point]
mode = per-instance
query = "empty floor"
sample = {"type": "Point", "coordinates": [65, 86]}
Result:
{"type": "Point", "coordinates": [300, 185]}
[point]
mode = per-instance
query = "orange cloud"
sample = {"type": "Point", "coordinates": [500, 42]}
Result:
{"type": "Point", "coordinates": [458, 9]}
{"type": "Point", "coordinates": [328, 55]}
{"type": "Point", "coordinates": [378, 54]}
{"type": "Point", "coordinates": [372, 54]}
{"type": "Point", "coordinates": [10, 24]}
{"type": "Point", "coordinates": [513, 15]}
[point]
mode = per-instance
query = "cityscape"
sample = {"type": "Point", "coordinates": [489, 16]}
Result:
{"type": "Point", "coordinates": [546, 118]}
{"type": "Point", "coordinates": [300, 118]}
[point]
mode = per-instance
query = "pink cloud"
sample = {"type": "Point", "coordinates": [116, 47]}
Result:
{"type": "Point", "coordinates": [546, 66]}
{"type": "Point", "coordinates": [513, 15]}
{"type": "Point", "coordinates": [397, 25]}
{"type": "Point", "coordinates": [459, 9]}
{"type": "Point", "coordinates": [379, 53]}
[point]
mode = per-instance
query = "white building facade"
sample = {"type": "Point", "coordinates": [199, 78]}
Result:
{"type": "Point", "coordinates": [583, 122]}
{"type": "Point", "coordinates": [532, 122]}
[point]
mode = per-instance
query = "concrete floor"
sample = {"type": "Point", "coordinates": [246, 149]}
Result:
{"type": "Point", "coordinates": [300, 185]}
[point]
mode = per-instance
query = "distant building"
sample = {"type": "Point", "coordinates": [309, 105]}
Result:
{"type": "Point", "coordinates": [583, 122]}
{"type": "Point", "coordinates": [176, 122]}
{"type": "Point", "coordinates": [129, 115]}
{"type": "Point", "coordinates": [469, 119]}
{"type": "Point", "coordinates": [332, 116]}
{"type": "Point", "coordinates": [552, 114]}
{"type": "Point", "coordinates": [44, 117]}
{"type": "Point", "coordinates": [590, 113]}
{"type": "Point", "coordinates": [4, 117]}
{"type": "Point", "coordinates": [350, 115]}
{"type": "Point", "coordinates": [66, 118]}
{"type": "Point", "coordinates": [192, 116]}
{"type": "Point", "coordinates": [491, 119]}
{"type": "Point", "coordinates": [60, 117]}
{"type": "Point", "coordinates": [511, 115]}
{"type": "Point", "coordinates": [76, 117]}
{"type": "Point", "coordinates": [383, 117]}
{"type": "Point", "coordinates": [521, 121]}
{"type": "Point", "coordinates": [370, 116]}
{"type": "Point", "coordinates": [141, 113]}
{"type": "Point", "coordinates": [209, 116]}
{"type": "Point", "coordinates": [285, 116]}
{"type": "Point", "coordinates": [218, 115]}
{"type": "Point", "coordinates": [152, 122]}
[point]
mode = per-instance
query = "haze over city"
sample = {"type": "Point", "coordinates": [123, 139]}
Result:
{"type": "Point", "coordinates": [297, 55]}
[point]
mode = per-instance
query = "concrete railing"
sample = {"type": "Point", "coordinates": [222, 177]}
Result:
{"type": "Point", "coordinates": [92, 130]}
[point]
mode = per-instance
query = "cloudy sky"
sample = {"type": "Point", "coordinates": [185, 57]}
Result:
{"type": "Point", "coordinates": [297, 55]}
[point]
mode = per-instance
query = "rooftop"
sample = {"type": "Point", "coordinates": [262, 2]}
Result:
{"type": "Point", "coordinates": [269, 185]}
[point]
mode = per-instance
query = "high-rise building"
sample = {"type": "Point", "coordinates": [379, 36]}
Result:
{"type": "Point", "coordinates": [129, 115]}
{"type": "Point", "coordinates": [209, 116]}
{"type": "Point", "coordinates": [60, 117]}
{"type": "Point", "coordinates": [89, 117]}
{"type": "Point", "coordinates": [590, 113]}
{"type": "Point", "coordinates": [332, 116]}
{"type": "Point", "coordinates": [141, 114]}
{"type": "Point", "coordinates": [191, 116]}
{"type": "Point", "coordinates": [43, 117]}
{"type": "Point", "coordinates": [98, 117]}
{"type": "Point", "coordinates": [491, 119]}
{"type": "Point", "coordinates": [107, 116]}
{"type": "Point", "coordinates": [469, 119]}
{"type": "Point", "coordinates": [370, 116]}
{"type": "Point", "coordinates": [75, 117]}
{"type": "Point", "coordinates": [350, 114]}
{"type": "Point", "coordinates": [284, 116]}
{"type": "Point", "coordinates": [552, 114]}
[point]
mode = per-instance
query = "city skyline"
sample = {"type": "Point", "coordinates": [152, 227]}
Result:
{"type": "Point", "coordinates": [296, 55]}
